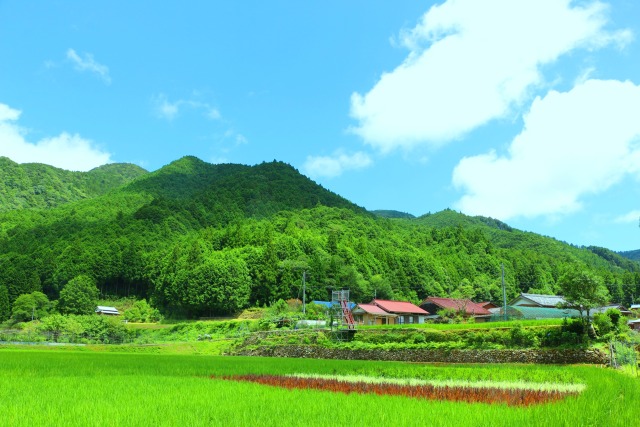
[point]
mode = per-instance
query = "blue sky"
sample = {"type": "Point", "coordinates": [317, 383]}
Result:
{"type": "Point", "coordinates": [525, 111]}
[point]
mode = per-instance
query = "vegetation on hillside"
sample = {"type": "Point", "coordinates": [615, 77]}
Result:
{"type": "Point", "coordinates": [35, 185]}
{"type": "Point", "coordinates": [197, 239]}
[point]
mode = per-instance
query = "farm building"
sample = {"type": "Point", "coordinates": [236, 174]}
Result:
{"type": "Point", "coordinates": [465, 307]}
{"type": "Point", "coordinates": [634, 324]}
{"type": "Point", "coordinates": [107, 311]}
{"type": "Point", "coordinates": [537, 300]}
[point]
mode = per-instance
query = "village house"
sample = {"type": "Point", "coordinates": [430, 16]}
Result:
{"type": "Point", "coordinates": [465, 307]}
{"type": "Point", "coordinates": [537, 300]}
{"type": "Point", "coordinates": [622, 309]}
{"type": "Point", "coordinates": [369, 314]}
{"type": "Point", "coordinates": [406, 312]}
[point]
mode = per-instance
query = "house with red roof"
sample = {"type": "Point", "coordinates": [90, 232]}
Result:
{"type": "Point", "coordinates": [370, 314]}
{"type": "Point", "coordinates": [465, 307]}
{"type": "Point", "coordinates": [406, 312]}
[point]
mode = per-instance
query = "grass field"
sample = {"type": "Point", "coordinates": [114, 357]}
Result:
{"type": "Point", "coordinates": [88, 388]}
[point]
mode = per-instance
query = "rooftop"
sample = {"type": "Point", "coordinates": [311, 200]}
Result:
{"type": "Point", "coordinates": [544, 300]}
{"type": "Point", "coordinates": [398, 306]}
{"type": "Point", "coordinates": [372, 309]}
{"type": "Point", "coordinates": [466, 305]}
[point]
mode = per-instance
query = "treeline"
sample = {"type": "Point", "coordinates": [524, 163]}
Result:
{"type": "Point", "coordinates": [237, 236]}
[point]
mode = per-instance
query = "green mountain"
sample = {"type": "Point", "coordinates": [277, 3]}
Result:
{"type": "Point", "coordinates": [392, 214]}
{"type": "Point", "coordinates": [632, 255]}
{"type": "Point", "coordinates": [259, 190]}
{"type": "Point", "coordinates": [199, 240]}
{"type": "Point", "coordinates": [35, 185]}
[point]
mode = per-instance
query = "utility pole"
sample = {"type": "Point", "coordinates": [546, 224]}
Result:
{"type": "Point", "coordinates": [304, 292]}
{"type": "Point", "coordinates": [504, 294]}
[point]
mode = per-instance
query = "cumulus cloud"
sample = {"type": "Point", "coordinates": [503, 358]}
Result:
{"type": "Point", "coordinates": [66, 151]}
{"type": "Point", "coordinates": [335, 165]}
{"type": "Point", "coordinates": [87, 63]}
{"type": "Point", "coordinates": [573, 144]}
{"type": "Point", "coordinates": [168, 110]}
{"type": "Point", "coordinates": [628, 218]}
{"type": "Point", "coordinates": [470, 62]}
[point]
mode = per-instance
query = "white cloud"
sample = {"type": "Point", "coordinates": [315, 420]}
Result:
{"type": "Point", "coordinates": [628, 218]}
{"type": "Point", "coordinates": [168, 110]}
{"type": "Point", "coordinates": [87, 63]}
{"type": "Point", "coordinates": [232, 138]}
{"type": "Point", "coordinates": [335, 165]}
{"type": "Point", "coordinates": [213, 113]}
{"type": "Point", "coordinates": [573, 144]}
{"type": "Point", "coordinates": [66, 151]}
{"type": "Point", "coordinates": [470, 62]}
{"type": "Point", "coordinates": [8, 114]}
{"type": "Point", "coordinates": [165, 109]}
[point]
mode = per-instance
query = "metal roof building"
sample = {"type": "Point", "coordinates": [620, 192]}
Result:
{"type": "Point", "coordinates": [109, 311]}
{"type": "Point", "coordinates": [537, 300]}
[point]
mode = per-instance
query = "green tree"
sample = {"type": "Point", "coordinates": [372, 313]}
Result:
{"type": "Point", "coordinates": [54, 325]}
{"type": "Point", "coordinates": [583, 291]}
{"type": "Point", "coordinates": [5, 307]}
{"type": "Point", "coordinates": [79, 296]}
{"type": "Point", "coordinates": [30, 306]}
{"type": "Point", "coordinates": [220, 285]}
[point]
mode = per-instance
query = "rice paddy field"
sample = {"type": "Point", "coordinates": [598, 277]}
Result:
{"type": "Point", "coordinates": [76, 387]}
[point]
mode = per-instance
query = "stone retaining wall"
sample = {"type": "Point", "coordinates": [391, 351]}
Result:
{"type": "Point", "coordinates": [541, 356]}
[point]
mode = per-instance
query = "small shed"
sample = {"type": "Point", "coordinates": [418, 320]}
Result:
{"type": "Point", "coordinates": [634, 324]}
{"type": "Point", "coordinates": [107, 311]}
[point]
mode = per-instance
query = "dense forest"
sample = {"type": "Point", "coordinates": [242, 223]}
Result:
{"type": "Point", "coordinates": [34, 185]}
{"type": "Point", "coordinates": [198, 239]}
{"type": "Point", "coordinates": [633, 255]}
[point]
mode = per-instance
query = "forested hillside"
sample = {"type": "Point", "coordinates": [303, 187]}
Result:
{"type": "Point", "coordinates": [34, 185]}
{"type": "Point", "coordinates": [632, 255]}
{"type": "Point", "coordinates": [202, 240]}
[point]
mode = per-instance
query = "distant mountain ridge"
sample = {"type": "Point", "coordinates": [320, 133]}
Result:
{"type": "Point", "coordinates": [632, 255]}
{"type": "Point", "coordinates": [36, 185]}
{"type": "Point", "coordinates": [392, 214]}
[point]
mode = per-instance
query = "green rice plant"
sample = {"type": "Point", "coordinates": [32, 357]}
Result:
{"type": "Point", "coordinates": [82, 387]}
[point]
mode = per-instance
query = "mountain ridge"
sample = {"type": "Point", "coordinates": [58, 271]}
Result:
{"type": "Point", "coordinates": [40, 186]}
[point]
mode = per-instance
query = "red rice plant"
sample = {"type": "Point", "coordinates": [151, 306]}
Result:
{"type": "Point", "coordinates": [513, 397]}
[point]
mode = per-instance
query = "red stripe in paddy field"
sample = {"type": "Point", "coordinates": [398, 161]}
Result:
{"type": "Point", "coordinates": [513, 397]}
